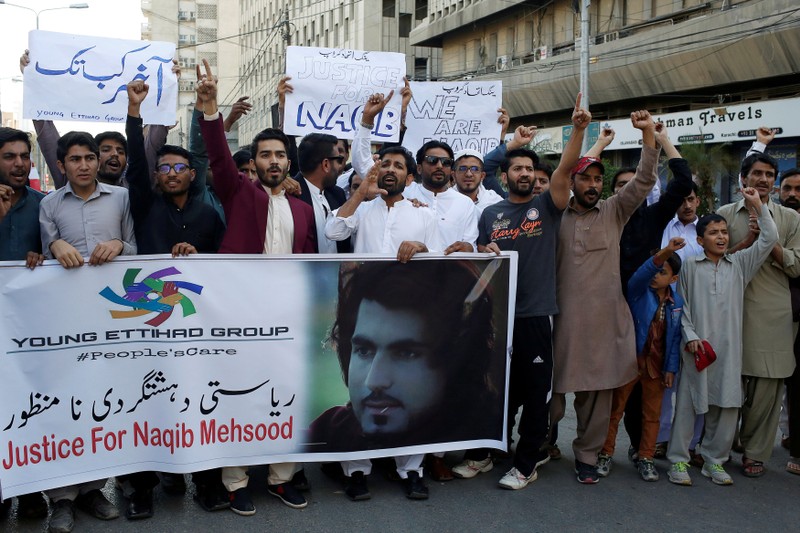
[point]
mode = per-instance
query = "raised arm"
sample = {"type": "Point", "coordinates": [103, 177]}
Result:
{"type": "Point", "coordinates": [559, 182]}
{"type": "Point", "coordinates": [632, 195]}
{"type": "Point", "coordinates": [603, 140]}
{"type": "Point", "coordinates": [138, 175]}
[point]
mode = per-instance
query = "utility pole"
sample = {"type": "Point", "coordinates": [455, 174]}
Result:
{"type": "Point", "coordinates": [584, 58]}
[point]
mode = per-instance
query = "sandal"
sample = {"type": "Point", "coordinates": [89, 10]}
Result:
{"type": "Point", "coordinates": [793, 466]}
{"type": "Point", "coordinates": [751, 468]}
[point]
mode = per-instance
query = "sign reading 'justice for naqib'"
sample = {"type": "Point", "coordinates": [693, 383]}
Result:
{"type": "Point", "coordinates": [331, 86]}
{"type": "Point", "coordinates": [182, 365]}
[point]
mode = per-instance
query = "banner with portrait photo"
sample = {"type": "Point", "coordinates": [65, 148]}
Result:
{"type": "Point", "coordinates": [331, 85]}
{"type": "Point", "coordinates": [461, 113]}
{"type": "Point", "coordinates": [181, 365]}
{"type": "Point", "coordinates": [83, 78]}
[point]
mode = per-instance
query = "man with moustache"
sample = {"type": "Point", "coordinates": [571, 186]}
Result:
{"type": "Point", "coordinates": [590, 295]}
{"type": "Point", "coordinates": [768, 330]}
{"type": "Point", "coordinates": [790, 197]}
{"type": "Point", "coordinates": [456, 215]}
{"type": "Point", "coordinates": [389, 224]}
{"type": "Point", "coordinates": [261, 219]}
{"type": "Point", "coordinates": [469, 175]}
{"type": "Point", "coordinates": [321, 160]}
{"type": "Point", "coordinates": [528, 224]}
{"type": "Point", "coordinates": [19, 204]}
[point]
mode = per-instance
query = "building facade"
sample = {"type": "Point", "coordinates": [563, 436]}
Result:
{"type": "Point", "coordinates": [667, 56]}
{"type": "Point", "coordinates": [205, 29]}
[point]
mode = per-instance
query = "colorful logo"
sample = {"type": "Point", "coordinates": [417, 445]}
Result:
{"type": "Point", "coordinates": [152, 295]}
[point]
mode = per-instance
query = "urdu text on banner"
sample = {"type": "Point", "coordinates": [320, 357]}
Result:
{"type": "Point", "coordinates": [461, 113]}
{"type": "Point", "coordinates": [82, 78]}
{"type": "Point", "coordinates": [181, 365]}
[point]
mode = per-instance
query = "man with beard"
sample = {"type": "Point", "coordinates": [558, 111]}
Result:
{"type": "Point", "coordinates": [528, 224]}
{"type": "Point", "coordinates": [469, 175]}
{"type": "Point", "coordinates": [456, 215]}
{"type": "Point", "coordinates": [768, 331]}
{"type": "Point", "coordinates": [19, 204]}
{"type": "Point", "coordinates": [261, 219]}
{"type": "Point", "coordinates": [590, 295]}
{"type": "Point", "coordinates": [321, 161]}
{"type": "Point", "coordinates": [790, 197]}
{"type": "Point", "coordinates": [389, 224]}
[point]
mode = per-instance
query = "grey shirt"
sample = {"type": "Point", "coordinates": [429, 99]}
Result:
{"type": "Point", "coordinates": [105, 216]}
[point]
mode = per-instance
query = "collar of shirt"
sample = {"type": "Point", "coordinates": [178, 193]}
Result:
{"type": "Point", "coordinates": [702, 257]}
{"type": "Point", "coordinates": [269, 192]}
{"type": "Point", "coordinates": [770, 205]}
{"type": "Point", "coordinates": [100, 188]}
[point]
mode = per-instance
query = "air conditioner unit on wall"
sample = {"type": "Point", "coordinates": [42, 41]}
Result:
{"type": "Point", "coordinates": [501, 63]}
{"type": "Point", "coordinates": [613, 36]}
{"type": "Point", "coordinates": [540, 53]}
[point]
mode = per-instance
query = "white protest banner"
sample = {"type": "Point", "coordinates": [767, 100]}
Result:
{"type": "Point", "coordinates": [181, 365]}
{"type": "Point", "coordinates": [330, 88]}
{"type": "Point", "coordinates": [76, 77]}
{"type": "Point", "coordinates": [461, 113]}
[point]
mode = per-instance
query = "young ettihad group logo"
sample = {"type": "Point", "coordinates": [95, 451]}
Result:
{"type": "Point", "coordinates": [152, 295]}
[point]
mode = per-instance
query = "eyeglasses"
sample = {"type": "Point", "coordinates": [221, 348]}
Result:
{"type": "Point", "coordinates": [339, 158]}
{"type": "Point", "coordinates": [177, 167]}
{"type": "Point", "coordinates": [463, 168]}
{"type": "Point", "coordinates": [432, 160]}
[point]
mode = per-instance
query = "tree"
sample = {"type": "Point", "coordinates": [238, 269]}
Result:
{"type": "Point", "coordinates": [708, 162]}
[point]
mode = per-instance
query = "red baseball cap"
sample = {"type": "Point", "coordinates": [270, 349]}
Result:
{"type": "Point", "coordinates": [584, 163]}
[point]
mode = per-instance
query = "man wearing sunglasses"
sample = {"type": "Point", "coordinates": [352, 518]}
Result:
{"type": "Point", "coordinates": [173, 221]}
{"type": "Point", "coordinates": [456, 215]}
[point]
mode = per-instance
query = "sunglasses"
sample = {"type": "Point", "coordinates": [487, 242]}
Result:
{"type": "Point", "coordinates": [432, 160]}
{"type": "Point", "coordinates": [474, 169]}
{"type": "Point", "coordinates": [177, 167]}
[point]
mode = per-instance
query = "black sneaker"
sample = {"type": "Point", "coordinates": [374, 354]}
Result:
{"type": "Point", "coordinates": [356, 488]}
{"type": "Point", "coordinates": [31, 506]}
{"type": "Point", "coordinates": [300, 481]}
{"type": "Point", "coordinates": [587, 474]}
{"type": "Point", "coordinates": [140, 505]}
{"type": "Point", "coordinates": [241, 503]}
{"type": "Point", "coordinates": [415, 487]}
{"type": "Point", "coordinates": [289, 495]}
{"type": "Point", "coordinates": [96, 504]}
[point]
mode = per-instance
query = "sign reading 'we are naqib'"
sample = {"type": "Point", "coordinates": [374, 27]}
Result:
{"type": "Point", "coordinates": [330, 88]}
{"type": "Point", "coordinates": [77, 77]}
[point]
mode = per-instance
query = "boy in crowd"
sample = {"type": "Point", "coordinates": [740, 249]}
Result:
{"type": "Point", "coordinates": [712, 286]}
{"type": "Point", "coordinates": [656, 314]}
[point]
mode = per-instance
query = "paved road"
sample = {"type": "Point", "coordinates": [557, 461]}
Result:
{"type": "Point", "coordinates": [556, 502]}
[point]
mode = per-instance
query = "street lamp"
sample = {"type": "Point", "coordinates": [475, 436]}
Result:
{"type": "Point", "coordinates": [82, 5]}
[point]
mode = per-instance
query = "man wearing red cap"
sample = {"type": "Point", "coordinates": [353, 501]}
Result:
{"type": "Point", "coordinates": [590, 298]}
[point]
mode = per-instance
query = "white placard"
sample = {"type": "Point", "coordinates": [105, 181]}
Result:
{"type": "Point", "coordinates": [461, 113]}
{"type": "Point", "coordinates": [76, 77]}
{"type": "Point", "coordinates": [330, 88]}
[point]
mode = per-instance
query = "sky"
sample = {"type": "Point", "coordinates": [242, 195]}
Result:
{"type": "Point", "coordinates": [104, 18]}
